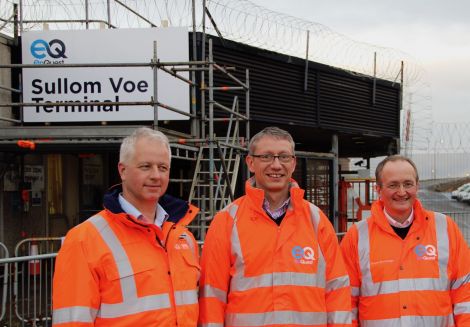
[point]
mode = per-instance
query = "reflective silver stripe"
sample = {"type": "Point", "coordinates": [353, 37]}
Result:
{"type": "Point", "coordinates": [277, 279]}
{"type": "Point", "coordinates": [232, 210]}
{"type": "Point", "coordinates": [315, 216]}
{"type": "Point", "coordinates": [461, 308]}
{"type": "Point", "coordinates": [369, 288]}
{"type": "Point", "coordinates": [275, 318]}
{"type": "Point", "coordinates": [337, 283]}
{"type": "Point", "coordinates": [355, 291]}
{"type": "Point", "coordinates": [211, 324]}
{"type": "Point", "coordinates": [321, 269]}
{"type": "Point", "coordinates": [404, 284]}
{"type": "Point", "coordinates": [186, 297]}
{"type": "Point", "coordinates": [415, 321]}
{"type": "Point", "coordinates": [236, 252]}
{"type": "Point", "coordinates": [459, 282]}
{"type": "Point", "coordinates": [339, 317]}
{"type": "Point", "coordinates": [363, 254]}
{"type": "Point", "coordinates": [73, 315]}
{"type": "Point", "coordinates": [126, 277]}
{"type": "Point", "coordinates": [211, 291]}
{"type": "Point", "coordinates": [354, 312]}
{"type": "Point", "coordinates": [443, 246]}
{"type": "Point", "coordinates": [133, 306]}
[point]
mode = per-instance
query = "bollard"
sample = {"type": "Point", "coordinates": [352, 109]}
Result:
{"type": "Point", "coordinates": [34, 265]}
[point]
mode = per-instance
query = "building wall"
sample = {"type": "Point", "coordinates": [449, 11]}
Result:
{"type": "Point", "coordinates": [5, 77]}
{"type": "Point", "coordinates": [36, 217]}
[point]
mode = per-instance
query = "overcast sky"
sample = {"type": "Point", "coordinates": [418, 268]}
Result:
{"type": "Point", "coordinates": [435, 32]}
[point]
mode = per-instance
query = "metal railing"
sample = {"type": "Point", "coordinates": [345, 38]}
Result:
{"type": "Point", "coordinates": [4, 276]}
{"type": "Point", "coordinates": [462, 219]}
{"type": "Point", "coordinates": [27, 282]}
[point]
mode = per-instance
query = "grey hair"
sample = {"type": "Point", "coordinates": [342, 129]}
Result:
{"type": "Point", "coordinates": [128, 143]}
{"type": "Point", "coordinates": [396, 157]}
{"type": "Point", "coordinates": [274, 132]}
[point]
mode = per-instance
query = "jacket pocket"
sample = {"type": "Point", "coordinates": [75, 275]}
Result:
{"type": "Point", "coordinates": [123, 269]}
{"type": "Point", "coordinates": [192, 267]}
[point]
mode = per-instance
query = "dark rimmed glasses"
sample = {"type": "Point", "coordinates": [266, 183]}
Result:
{"type": "Point", "coordinates": [268, 158]}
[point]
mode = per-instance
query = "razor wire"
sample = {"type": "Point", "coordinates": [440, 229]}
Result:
{"type": "Point", "coordinates": [244, 21]}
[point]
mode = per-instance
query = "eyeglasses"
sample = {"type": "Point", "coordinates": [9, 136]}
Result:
{"type": "Point", "coordinates": [397, 186]}
{"type": "Point", "coordinates": [283, 158]}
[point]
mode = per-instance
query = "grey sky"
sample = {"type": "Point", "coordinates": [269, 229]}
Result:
{"type": "Point", "coordinates": [435, 32]}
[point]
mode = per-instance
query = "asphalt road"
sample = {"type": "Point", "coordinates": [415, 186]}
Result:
{"type": "Point", "coordinates": [442, 202]}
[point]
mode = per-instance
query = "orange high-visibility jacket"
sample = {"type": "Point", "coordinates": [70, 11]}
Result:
{"type": "Point", "coordinates": [256, 273]}
{"type": "Point", "coordinates": [422, 280]}
{"type": "Point", "coordinates": [113, 270]}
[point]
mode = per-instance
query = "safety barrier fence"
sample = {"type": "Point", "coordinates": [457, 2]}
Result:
{"type": "Point", "coordinates": [27, 282]}
{"type": "Point", "coordinates": [462, 218]}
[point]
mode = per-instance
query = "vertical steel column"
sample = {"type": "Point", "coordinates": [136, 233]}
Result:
{"type": "Point", "coordinates": [374, 85]}
{"type": "Point", "coordinates": [2, 217]}
{"type": "Point", "coordinates": [21, 17]}
{"type": "Point", "coordinates": [211, 130]}
{"type": "Point", "coordinates": [194, 121]}
{"type": "Point", "coordinates": [306, 63]}
{"type": "Point", "coordinates": [400, 103]}
{"type": "Point", "coordinates": [109, 13]}
{"type": "Point", "coordinates": [203, 83]}
{"type": "Point", "coordinates": [247, 104]}
{"type": "Point", "coordinates": [155, 86]}
{"type": "Point", "coordinates": [15, 23]}
{"type": "Point", "coordinates": [247, 112]}
{"type": "Point", "coordinates": [87, 16]}
{"type": "Point", "coordinates": [335, 179]}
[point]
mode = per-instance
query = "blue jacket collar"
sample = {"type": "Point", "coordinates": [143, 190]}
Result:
{"type": "Point", "coordinates": [176, 208]}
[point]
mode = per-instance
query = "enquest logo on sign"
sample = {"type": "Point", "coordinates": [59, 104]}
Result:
{"type": "Point", "coordinates": [55, 49]}
{"type": "Point", "coordinates": [82, 88]}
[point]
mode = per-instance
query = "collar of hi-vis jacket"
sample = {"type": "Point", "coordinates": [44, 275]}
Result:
{"type": "Point", "coordinates": [179, 211]}
{"type": "Point", "coordinates": [420, 219]}
{"type": "Point", "coordinates": [256, 195]}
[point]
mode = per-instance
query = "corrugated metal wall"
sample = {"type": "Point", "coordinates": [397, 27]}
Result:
{"type": "Point", "coordinates": [335, 99]}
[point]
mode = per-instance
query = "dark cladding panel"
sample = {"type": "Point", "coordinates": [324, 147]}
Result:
{"type": "Point", "coordinates": [277, 86]}
{"type": "Point", "coordinates": [346, 104]}
{"type": "Point", "coordinates": [335, 100]}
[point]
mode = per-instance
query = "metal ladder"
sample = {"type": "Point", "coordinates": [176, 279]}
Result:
{"type": "Point", "coordinates": [220, 185]}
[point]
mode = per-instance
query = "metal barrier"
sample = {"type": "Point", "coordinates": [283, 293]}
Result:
{"type": "Point", "coordinates": [355, 199]}
{"type": "Point", "coordinates": [28, 308]}
{"type": "Point", "coordinates": [462, 219]}
{"type": "Point", "coordinates": [27, 282]}
{"type": "Point", "coordinates": [4, 288]}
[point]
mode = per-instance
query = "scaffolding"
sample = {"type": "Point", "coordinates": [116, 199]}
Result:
{"type": "Point", "coordinates": [216, 158]}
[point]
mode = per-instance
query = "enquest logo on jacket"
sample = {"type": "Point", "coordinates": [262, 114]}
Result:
{"type": "Point", "coordinates": [303, 255]}
{"type": "Point", "coordinates": [182, 243]}
{"type": "Point", "coordinates": [426, 252]}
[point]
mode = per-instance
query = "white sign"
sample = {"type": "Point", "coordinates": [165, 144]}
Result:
{"type": "Point", "coordinates": [34, 174]}
{"type": "Point", "coordinates": [102, 84]}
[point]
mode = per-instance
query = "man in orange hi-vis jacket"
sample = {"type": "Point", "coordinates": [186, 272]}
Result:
{"type": "Point", "coordinates": [271, 258]}
{"type": "Point", "coordinates": [408, 266]}
{"type": "Point", "coordinates": [134, 263]}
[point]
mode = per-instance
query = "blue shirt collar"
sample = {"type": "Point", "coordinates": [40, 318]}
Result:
{"type": "Point", "coordinates": [128, 208]}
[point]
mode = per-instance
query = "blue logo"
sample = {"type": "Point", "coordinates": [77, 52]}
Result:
{"type": "Point", "coordinates": [426, 252]}
{"type": "Point", "coordinates": [55, 49]}
{"type": "Point", "coordinates": [304, 255]}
